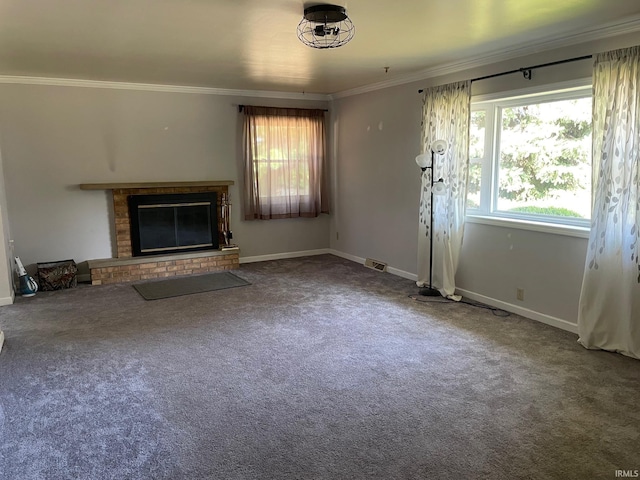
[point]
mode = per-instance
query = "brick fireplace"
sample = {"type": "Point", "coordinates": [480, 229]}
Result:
{"type": "Point", "coordinates": [127, 268]}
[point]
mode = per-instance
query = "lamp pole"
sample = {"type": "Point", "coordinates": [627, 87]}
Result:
{"type": "Point", "coordinates": [439, 147]}
{"type": "Point", "coordinates": [430, 291]}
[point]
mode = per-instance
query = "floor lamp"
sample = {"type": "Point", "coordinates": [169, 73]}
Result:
{"type": "Point", "coordinates": [437, 187]}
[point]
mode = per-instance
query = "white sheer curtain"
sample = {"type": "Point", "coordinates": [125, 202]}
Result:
{"type": "Point", "coordinates": [446, 113]}
{"type": "Point", "coordinates": [609, 313]}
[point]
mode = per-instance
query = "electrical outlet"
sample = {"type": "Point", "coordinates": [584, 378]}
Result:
{"type": "Point", "coordinates": [520, 294]}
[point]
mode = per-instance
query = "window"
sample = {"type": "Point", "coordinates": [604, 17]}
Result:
{"type": "Point", "coordinates": [530, 157]}
{"type": "Point", "coordinates": [284, 154]}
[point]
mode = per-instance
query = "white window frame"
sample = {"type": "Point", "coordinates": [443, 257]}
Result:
{"type": "Point", "coordinates": [487, 212]}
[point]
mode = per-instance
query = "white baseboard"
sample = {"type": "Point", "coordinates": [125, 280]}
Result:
{"type": "Point", "coordinates": [391, 270]}
{"type": "Point", "coordinates": [525, 312]}
{"type": "Point", "coordinates": [280, 256]}
{"type": "Point", "coordinates": [402, 273]}
{"type": "Point", "coordinates": [323, 251]}
{"type": "Point", "coordinates": [7, 300]}
{"type": "Point", "coordinates": [353, 258]}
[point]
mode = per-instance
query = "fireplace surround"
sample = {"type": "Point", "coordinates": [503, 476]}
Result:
{"type": "Point", "coordinates": [173, 223]}
{"type": "Point", "coordinates": [126, 268]}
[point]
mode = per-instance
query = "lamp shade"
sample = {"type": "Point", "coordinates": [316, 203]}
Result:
{"type": "Point", "coordinates": [423, 160]}
{"type": "Point", "coordinates": [439, 147]}
{"type": "Point", "coordinates": [439, 188]}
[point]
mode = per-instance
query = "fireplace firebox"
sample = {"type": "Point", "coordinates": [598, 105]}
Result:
{"type": "Point", "coordinates": [173, 223]}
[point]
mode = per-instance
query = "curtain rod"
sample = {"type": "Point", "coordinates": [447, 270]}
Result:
{"type": "Point", "coordinates": [526, 71]}
{"type": "Point", "coordinates": [241, 108]}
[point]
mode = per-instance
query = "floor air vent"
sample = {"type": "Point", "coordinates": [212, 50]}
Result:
{"type": "Point", "coordinates": [375, 264]}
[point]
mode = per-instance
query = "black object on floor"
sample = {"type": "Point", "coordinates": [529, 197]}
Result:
{"type": "Point", "coordinates": [176, 287]}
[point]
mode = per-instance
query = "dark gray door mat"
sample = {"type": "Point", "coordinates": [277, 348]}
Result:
{"type": "Point", "coordinates": [187, 285]}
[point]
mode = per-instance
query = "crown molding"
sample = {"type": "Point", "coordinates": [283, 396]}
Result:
{"type": "Point", "coordinates": [612, 29]}
{"type": "Point", "coordinates": [150, 87]}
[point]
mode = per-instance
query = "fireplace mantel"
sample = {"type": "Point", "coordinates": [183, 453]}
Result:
{"type": "Point", "coordinates": [117, 186]}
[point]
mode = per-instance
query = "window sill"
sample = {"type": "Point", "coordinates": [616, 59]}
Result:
{"type": "Point", "coordinates": [553, 228]}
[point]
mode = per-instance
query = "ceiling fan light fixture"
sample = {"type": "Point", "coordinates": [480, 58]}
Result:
{"type": "Point", "coordinates": [325, 26]}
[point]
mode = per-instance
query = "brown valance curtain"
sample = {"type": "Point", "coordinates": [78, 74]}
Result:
{"type": "Point", "coordinates": [285, 163]}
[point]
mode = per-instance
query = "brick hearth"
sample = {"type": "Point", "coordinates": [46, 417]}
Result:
{"type": "Point", "coordinates": [115, 270]}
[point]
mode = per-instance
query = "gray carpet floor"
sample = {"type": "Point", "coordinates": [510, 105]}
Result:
{"type": "Point", "coordinates": [320, 369]}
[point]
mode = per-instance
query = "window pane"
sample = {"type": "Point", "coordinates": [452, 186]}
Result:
{"type": "Point", "coordinates": [476, 152]}
{"type": "Point", "coordinates": [283, 161]}
{"type": "Point", "coordinates": [473, 185]}
{"type": "Point", "coordinates": [545, 159]}
{"type": "Point", "coordinates": [477, 134]}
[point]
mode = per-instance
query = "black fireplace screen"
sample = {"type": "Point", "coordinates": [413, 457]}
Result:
{"type": "Point", "coordinates": [171, 223]}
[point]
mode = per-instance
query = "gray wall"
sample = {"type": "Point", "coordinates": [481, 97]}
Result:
{"type": "Point", "coordinates": [55, 137]}
{"type": "Point", "coordinates": [377, 137]}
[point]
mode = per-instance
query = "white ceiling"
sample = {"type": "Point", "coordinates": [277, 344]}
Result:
{"type": "Point", "coordinates": [252, 44]}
